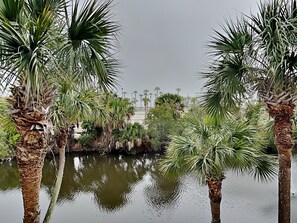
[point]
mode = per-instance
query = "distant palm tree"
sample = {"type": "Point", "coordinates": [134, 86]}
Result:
{"type": "Point", "coordinates": [145, 93]}
{"type": "Point", "coordinates": [157, 89]}
{"type": "Point", "coordinates": [178, 90]}
{"type": "Point", "coordinates": [135, 97]}
{"type": "Point", "coordinates": [73, 105]}
{"type": "Point", "coordinates": [140, 97]}
{"type": "Point", "coordinates": [208, 149]}
{"type": "Point", "coordinates": [122, 92]}
{"type": "Point", "coordinates": [151, 95]}
{"type": "Point", "coordinates": [146, 102]}
{"type": "Point", "coordinates": [257, 56]}
{"type": "Point", "coordinates": [135, 93]}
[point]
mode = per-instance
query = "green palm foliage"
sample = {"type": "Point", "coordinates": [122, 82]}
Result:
{"type": "Point", "coordinates": [119, 111]}
{"type": "Point", "coordinates": [40, 37]}
{"type": "Point", "coordinates": [208, 149]}
{"type": "Point", "coordinates": [131, 136]}
{"type": "Point", "coordinates": [252, 55]}
{"type": "Point", "coordinates": [256, 55]}
{"type": "Point", "coordinates": [75, 104]}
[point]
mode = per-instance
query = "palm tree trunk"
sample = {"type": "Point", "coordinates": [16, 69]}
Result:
{"type": "Point", "coordinates": [32, 119]}
{"type": "Point", "coordinates": [70, 139]}
{"type": "Point", "coordinates": [30, 153]}
{"type": "Point", "coordinates": [282, 114]}
{"type": "Point", "coordinates": [61, 142]}
{"type": "Point", "coordinates": [215, 197]}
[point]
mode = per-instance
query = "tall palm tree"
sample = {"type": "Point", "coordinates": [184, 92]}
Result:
{"type": "Point", "coordinates": [73, 105]}
{"type": "Point", "coordinates": [140, 99]}
{"type": "Point", "coordinates": [146, 101]}
{"type": "Point", "coordinates": [146, 92]}
{"type": "Point", "coordinates": [257, 55]}
{"type": "Point", "coordinates": [42, 39]}
{"type": "Point", "coordinates": [157, 89]}
{"type": "Point", "coordinates": [151, 98]}
{"type": "Point", "coordinates": [178, 90]}
{"type": "Point", "coordinates": [208, 149]}
{"type": "Point", "coordinates": [135, 97]}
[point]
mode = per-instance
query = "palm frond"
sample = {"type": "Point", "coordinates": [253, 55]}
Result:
{"type": "Point", "coordinates": [11, 9]}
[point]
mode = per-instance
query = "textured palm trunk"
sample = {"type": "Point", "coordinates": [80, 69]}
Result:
{"type": "Point", "coordinates": [31, 119]}
{"type": "Point", "coordinates": [282, 114]}
{"type": "Point", "coordinates": [61, 140]}
{"type": "Point", "coordinates": [30, 153]}
{"type": "Point", "coordinates": [215, 197]}
{"type": "Point", "coordinates": [70, 139]}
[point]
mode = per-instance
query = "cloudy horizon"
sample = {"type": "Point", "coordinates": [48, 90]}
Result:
{"type": "Point", "coordinates": [163, 42]}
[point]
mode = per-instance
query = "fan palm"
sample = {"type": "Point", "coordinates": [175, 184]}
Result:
{"type": "Point", "coordinates": [72, 105]}
{"type": "Point", "coordinates": [42, 40]}
{"type": "Point", "coordinates": [208, 149]}
{"type": "Point", "coordinates": [256, 55]}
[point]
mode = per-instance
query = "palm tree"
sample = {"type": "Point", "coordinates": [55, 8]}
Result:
{"type": "Point", "coordinates": [151, 97]}
{"type": "Point", "coordinates": [157, 89]}
{"type": "Point", "coordinates": [145, 102]}
{"type": "Point", "coordinates": [208, 148]}
{"type": "Point", "coordinates": [135, 95]}
{"type": "Point", "coordinates": [73, 105]}
{"type": "Point", "coordinates": [256, 55]}
{"type": "Point", "coordinates": [122, 89]}
{"type": "Point", "coordinates": [41, 40]}
{"type": "Point", "coordinates": [140, 99]}
{"type": "Point", "coordinates": [146, 92]}
{"type": "Point", "coordinates": [178, 90]}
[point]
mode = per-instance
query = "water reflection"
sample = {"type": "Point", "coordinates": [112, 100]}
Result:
{"type": "Point", "coordinates": [120, 188]}
{"type": "Point", "coordinates": [9, 176]}
{"type": "Point", "coordinates": [162, 192]}
{"type": "Point", "coordinates": [110, 179]}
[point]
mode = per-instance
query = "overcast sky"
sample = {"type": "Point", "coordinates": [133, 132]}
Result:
{"type": "Point", "coordinates": [163, 42]}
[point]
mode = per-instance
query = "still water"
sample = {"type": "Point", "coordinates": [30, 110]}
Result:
{"type": "Point", "coordinates": [116, 189]}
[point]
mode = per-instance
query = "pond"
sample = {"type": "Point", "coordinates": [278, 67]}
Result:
{"type": "Point", "coordinates": [116, 189]}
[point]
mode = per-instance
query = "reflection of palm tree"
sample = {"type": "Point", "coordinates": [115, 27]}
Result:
{"type": "Point", "coordinates": [9, 176]}
{"type": "Point", "coordinates": [110, 178]}
{"type": "Point", "coordinates": [163, 191]}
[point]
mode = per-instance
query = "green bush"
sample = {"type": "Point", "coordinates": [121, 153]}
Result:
{"type": "Point", "coordinates": [162, 121]}
{"type": "Point", "coordinates": [86, 139]}
{"type": "Point", "coordinates": [8, 133]}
